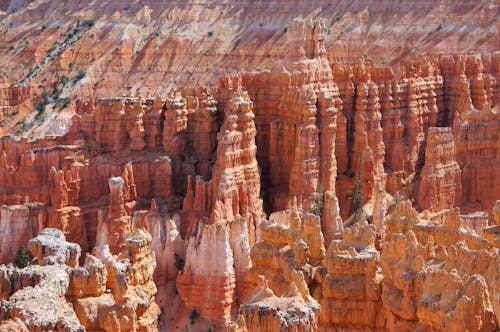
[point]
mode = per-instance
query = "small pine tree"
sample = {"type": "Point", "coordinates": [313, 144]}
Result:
{"type": "Point", "coordinates": [22, 257]}
{"type": "Point", "coordinates": [318, 202]}
{"type": "Point", "coordinates": [356, 196]}
{"type": "Point", "coordinates": [64, 80]}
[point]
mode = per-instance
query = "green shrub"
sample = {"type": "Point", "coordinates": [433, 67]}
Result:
{"type": "Point", "coordinates": [210, 33]}
{"type": "Point", "coordinates": [64, 80]}
{"type": "Point", "coordinates": [356, 196]}
{"type": "Point", "coordinates": [22, 257]}
{"type": "Point", "coordinates": [81, 74]}
{"type": "Point", "coordinates": [317, 207]}
{"type": "Point", "coordinates": [63, 102]}
{"type": "Point", "coordinates": [40, 106]}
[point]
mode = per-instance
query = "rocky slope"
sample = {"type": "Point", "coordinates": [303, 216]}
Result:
{"type": "Point", "coordinates": [62, 50]}
{"type": "Point", "coordinates": [299, 175]}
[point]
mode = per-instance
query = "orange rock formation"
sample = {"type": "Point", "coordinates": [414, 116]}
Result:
{"type": "Point", "coordinates": [107, 293]}
{"type": "Point", "coordinates": [228, 206]}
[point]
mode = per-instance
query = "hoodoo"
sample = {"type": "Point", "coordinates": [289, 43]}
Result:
{"type": "Point", "coordinates": [249, 166]}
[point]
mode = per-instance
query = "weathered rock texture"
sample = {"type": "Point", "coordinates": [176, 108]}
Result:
{"type": "Point", "coordinates": [155, 45]}
{"type": "Point", "coordinates": [350, 291]}
{"type": "Point", "coordinates": [440, 182]}
{"type": "Point", "coordinates": [296, 160]}
{"type": "Point", "coordinates": [432, 280]}
{"type": "Point", "coordinates": [107, 293]}
{"type": "Point", "coordinates": [283, 270]}
{"type": "Point", "coordinates": [244, 183]}
{"type": "Point", "coordinates": [220, 216]}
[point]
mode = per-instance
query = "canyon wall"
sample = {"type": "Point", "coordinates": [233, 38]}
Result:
{"type": "Point", "coordinates": [242, 206]}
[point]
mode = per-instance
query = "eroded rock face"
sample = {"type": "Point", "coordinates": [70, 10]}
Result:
{"type": "Point", "coordinates": [108, 293]}
{"type": "Point", "coordinates": [207, 281]}
{"type": "Point", "coordinates": [350, 289]}
{"type": "Point", "coordinates": [295, 159]}
{"type": "Point", "coordinates": [284, 263]}
{"type": "Point", "coordinates": [220, 217]}
{"type": "Point", "coordinates": [243, 186]}
{"type": "Point", "coordinates": [437, 285]}
{"type": "Point", "coordinates": [477, 137]}
{"type": "Point", "coordinates": [441, 181]}
{"type": "Point", "coordinates": [264, 311]}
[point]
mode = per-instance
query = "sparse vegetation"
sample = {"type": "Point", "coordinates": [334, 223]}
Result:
{"type": "Point", "coordinates": [68, 40]}
{"type": "Point", "coordinates": [22, 257]}
{"type": "Point", "coordinates": [338, 17]}
{"type": "Point", "coordinates": [64, 80]}
{"type": "Point", "coordinates": [285, 29]}
{"type": "Point", "coordinates": [81, 74]}
{"type": "Point", "coordinates": [318, 203]}
{"type": "Point", "coordinates": [63, 102]}
{"type": "Point", "coordinates": [210, 33]}
{"type": "Point", "coordinates": [356, 196]}
{"type": "Point", "coordinates": [40, 106]}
